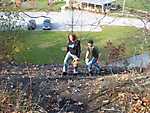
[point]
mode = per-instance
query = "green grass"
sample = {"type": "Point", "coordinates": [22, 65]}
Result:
{"type": "Point", "coordinates": [43, 5]}
{"type": "Point", "coordinates": [136, 4]}
{"type": "Point", "coordinates": [57, 6]}
{"type": "Point", "coordinates": [43, 47]}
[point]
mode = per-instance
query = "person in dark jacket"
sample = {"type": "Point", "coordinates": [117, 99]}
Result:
{"type": "Point", "coordinates": [73, 53]}
{"type": "Point", "coordinates": [91, 58]}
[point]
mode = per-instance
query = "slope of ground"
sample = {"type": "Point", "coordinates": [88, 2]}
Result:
{"type": "Point", "coordinates": [41, 47]}
{"type": "Point", "coordinates": [43, 89]}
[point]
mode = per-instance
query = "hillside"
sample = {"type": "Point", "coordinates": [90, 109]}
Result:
{"type": "Point", "coordinates": [42, 89]}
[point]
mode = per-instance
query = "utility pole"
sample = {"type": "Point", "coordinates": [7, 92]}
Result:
{"type": "Point", "coordinates": [123, 6]}
{"type": "Point", "coordinates": [72, 20]}
{"type": "Point", "coordinates": [72, 17]}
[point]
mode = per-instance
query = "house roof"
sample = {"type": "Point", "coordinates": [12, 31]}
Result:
{"type": "Point", "coordinates": [96, 2]}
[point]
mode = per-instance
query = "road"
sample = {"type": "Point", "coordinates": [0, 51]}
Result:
{"type": "Point", "coordinates": [82, 20]}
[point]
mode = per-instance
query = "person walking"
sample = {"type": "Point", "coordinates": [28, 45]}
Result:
{"type": "Point", "coordinates": [73, 53]}
{"type": "Point", "coordinates": [91, 57]}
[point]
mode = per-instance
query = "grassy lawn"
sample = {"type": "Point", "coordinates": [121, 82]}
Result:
{"type": "Point", "coordinates": [136, 4]}
{"type": "Point", "coordinates": [43, 47]}
{"type": "Point", "coordinates": [43, 5]}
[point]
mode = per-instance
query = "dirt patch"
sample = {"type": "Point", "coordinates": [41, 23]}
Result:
{"type": "Point", "coordinates": [42, 88]}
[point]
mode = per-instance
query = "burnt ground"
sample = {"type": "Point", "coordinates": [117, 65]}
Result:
{"type": "Point", "coordinates": [42, 89]}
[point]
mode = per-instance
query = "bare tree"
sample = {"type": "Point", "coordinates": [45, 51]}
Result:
{"type": "Point", "coordinates": [10, 27]}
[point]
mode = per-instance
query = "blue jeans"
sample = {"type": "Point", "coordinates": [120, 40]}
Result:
{"type": "Point", "coordinates": [93, 62]}
{"type": "Point", "coordinates": [66, 60]}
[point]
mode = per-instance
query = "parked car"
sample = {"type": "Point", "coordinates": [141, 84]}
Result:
{"type": "Point", "coordinates": [115, 7]}
{"type": "Point", "coordinates": [32, 25]}
{"type": "Point", "coordinates": [47, 24]}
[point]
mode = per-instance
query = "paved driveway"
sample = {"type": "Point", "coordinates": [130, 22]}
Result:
{"type": "Point", "coordinates": [82, 20]}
